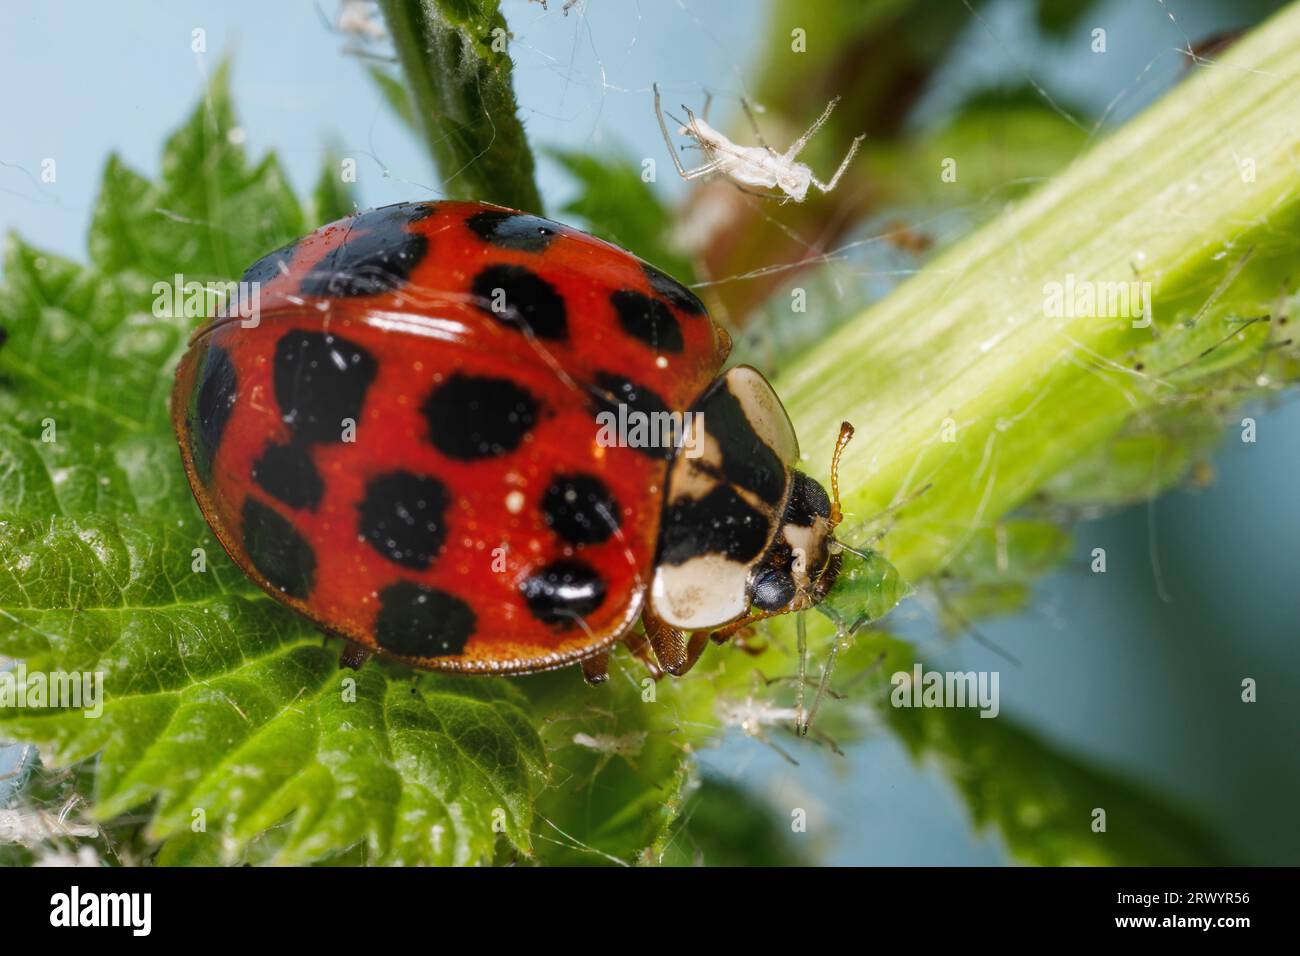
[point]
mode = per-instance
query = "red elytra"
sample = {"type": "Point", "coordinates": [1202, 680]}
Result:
{"type": "Point", "coordinates": [403, 447]}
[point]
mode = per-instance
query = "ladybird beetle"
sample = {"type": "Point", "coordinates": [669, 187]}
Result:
{"type": "Point", "coordinates": [404, 447]}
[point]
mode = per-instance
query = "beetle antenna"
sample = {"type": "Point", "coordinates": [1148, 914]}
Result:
{"type": "Point", "coordinates": [846, 435]}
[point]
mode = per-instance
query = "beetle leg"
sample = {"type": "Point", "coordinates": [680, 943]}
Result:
{"type": "Point", "coordinates": [675, 652]}
{"type": "Point", "coordinates": [722, 634]}
{"type": "Point", "coordinates": [742, 639]}
{"type": "Point", "coordinates": [640, 647]}
{"type": "Point", "coordinates": [353, 655]}
{"type": "Point", "coordinates": [694, 648]}
{"type": "Point", "coordinates": [595, 669]}
{"type": "Point", "coordinates": [668, 642]}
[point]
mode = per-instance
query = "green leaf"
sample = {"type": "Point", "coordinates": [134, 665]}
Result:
{"type": "Point", "coordinates": [1017, 549]}
{"type": "Point", "coordinates": [1058, 17]}
{"type": "Point", "coordinates": [619, 763]}
{"type": "Point", "coordinates": [215, 698]}
{"type": "Point", "coordinates": [208, 216]}
{"type": "Point", "coordinates": [1040, 798]}
{"type": "Point", "coordinates": [332, 199]}
{"type": "Point", "coordinates": [395, 95]}
{"type": "Point", "coordinates": [722, 824]}
{"type": "Point", "coordinates": [1004, 142]}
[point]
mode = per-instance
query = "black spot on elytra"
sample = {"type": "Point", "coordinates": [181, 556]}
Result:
{"type": "Point", "coordinates": [612, 390]}
{"type": "Point", "coordinates": [521, 299]}
{"type": "Point", "coordinates": [378, 254]}
{"type": "Point", "coordinates": [513, 230]}
{"type": "Point", "coordinates": [272, 265]}
{"type": "Point", "coordinates": [563, 591]}
{"type": "Point", "coordinates": [773, 589]}
{"type": "Point", "coordinates": [321, 379]}
{"type": "Point", "coordinates": [288, 474]}
{"type": "Point", "coordinates": [672, 290]}
{"type": "Point", "coordinates": [648, 320]}
{"type": "Point", "coordinates": [419, 621]}
{"type": "Point", "coordinates": [473, 417]}
{"type": "Point", "coordinates": [214, 400]}
{"type": "Point", "coordinates": [747, 460]}
{"type": "Point", "coordinates": [580, 509]}
{"type": "Point", "coordinates": [808, 501]}
{"type": "Point", "coordinates": [277, 550]}
{"type": "Point", "coordinates": [403, 517]}
{"type": "Point", "coordinates": [719, 523]}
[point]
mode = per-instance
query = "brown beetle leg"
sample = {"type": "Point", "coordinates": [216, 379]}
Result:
{"type": "Point", "coordinates": [353, 655]}
{"type": "Point", "coordinates": [595, 669]}
{"type": "Point", "coordinates": [675, 652]}
{"type": "Point", "coordinates": [640, 647]}
{"type": "Point", "coordinates": [724, 633]}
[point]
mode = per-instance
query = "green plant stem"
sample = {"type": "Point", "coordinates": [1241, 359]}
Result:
{"type": "Point", "coordinates": [463, 97]}
{"type": "Point", "coordinates": [960, 382]}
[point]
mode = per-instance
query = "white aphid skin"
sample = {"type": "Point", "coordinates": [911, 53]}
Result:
{"type": "Point", "coordinates": [568, 4]}
{"type": "Point", "coordinates": [33, 827]}
{"type": "Point", "coordinates": [761, 166]}
{"type": "Point", "coordinates": [358, 18]}
{"type": "Point", "coordinates": [753, 715]}
{"type": "Point", "coordinates": [627, 745]}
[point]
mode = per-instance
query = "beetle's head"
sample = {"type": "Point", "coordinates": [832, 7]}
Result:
{"type": "Point", "coordinates": [801, 565]}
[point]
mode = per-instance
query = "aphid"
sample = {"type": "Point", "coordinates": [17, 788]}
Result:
{"type": "Point", "coordinates": [759, 166]}
{"type": "Point", "coordinates": [411, 447]}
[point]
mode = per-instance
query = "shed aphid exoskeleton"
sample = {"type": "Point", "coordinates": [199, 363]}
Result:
{"type": "Point", "coordinates": [359, 22]}
{"type": "Point", "coordinates": [627, 745]}
{"type": "Point", "coordinates": [759, 166]}
{"type": "Point", "coordinates": [757, 712]}
{"type": "Point", "coordinates": [568, 4]}
{"type": "Point", "coordinates": [360, 19]}
{"type": "Point", "coordinates": [753, 715]}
